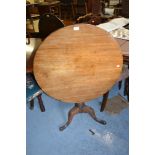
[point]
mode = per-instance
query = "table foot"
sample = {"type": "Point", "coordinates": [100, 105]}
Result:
{"type": "Point", "coordinates": [71, 114]}
{"type": "Point", "coordinates": [81, 108]}
{"type": "Point", "coordinates": [93, 115]}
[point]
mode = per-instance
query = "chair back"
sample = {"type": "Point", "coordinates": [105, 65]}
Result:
{"type": "Point", "coordinates": [29, 18]}
{"type": "Point", "coordinates": [28, 10]}
{"type": "Point", "coordinates": [44, 8]}
{"type": "Point", "coordinates": [48, 23]}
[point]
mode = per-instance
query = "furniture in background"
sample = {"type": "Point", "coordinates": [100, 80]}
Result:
{"type": "Point", "coordinates": [32, 15]}
{"type": "Point", "coordinates": [72, 9]}
{"type": "Point", "coordinates": [94, 7]}
{"type": "Point", "coordinates": [27, 2]}
{"type": "Point", "coordinates": [79, 7]}
{"type": "Point", "coordinates": [124, 76]}
{"type": "Point", "coordinates": [29, 19]}
{"type": "Point", "coordinates": [124, 45]}
{"type": "Point", "coordinates": [106, 2]}
{"type": "Point", "coordinates": [48, 23]}
{"type": "Point", "coordinates": [50, 7]}
{"type": "Point", "coordinates": [77, 64]}
{"type": "Point", "coordinates": [125, 8]}
{"type": "Point", "coordinates": [44, 7]}
{"type": "Point", "coordinates": [122, 8]}
{"type": "Point", "coordinates": [67, 9]}
{"type": "Point", "coordinates": [33, 91]}
{"type": "Point", "coordinates": [95, 12]}
{"type": "Point", "coordinates": [33, 10]}
{"type": "Point", "coordinates": [118, 9]}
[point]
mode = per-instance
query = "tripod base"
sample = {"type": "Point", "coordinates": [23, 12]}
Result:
{"type": "Point", "coordinates": [81, 108]}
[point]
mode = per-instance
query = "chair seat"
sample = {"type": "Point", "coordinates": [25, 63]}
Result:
{"type": "Point", "coordinates": [32, 88]}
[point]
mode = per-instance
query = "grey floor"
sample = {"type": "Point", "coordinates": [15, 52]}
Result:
{"type": "Point", "coordinates": [44, 137]}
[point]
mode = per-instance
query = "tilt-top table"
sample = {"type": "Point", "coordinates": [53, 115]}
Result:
{"type": "Point", "coordinates": [76, 64]}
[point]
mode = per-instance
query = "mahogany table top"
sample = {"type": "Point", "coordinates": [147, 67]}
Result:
{"type": "Point", "coordinates": [77, 63]}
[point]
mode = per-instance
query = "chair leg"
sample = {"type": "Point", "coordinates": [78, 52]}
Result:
{"type": "Point", "coordinates": [32, 104]}
{"type": "Point", "coordinates": [126, 89]}
{"type": "Point", "coordinates": [104, 101]}
{"type": "Point", "coordinates": [119, 84]}
{"type": "Point", "coordinates": [42, 108]}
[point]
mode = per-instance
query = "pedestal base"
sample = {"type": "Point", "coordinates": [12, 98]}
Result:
{"type": "Point", "coordinates": [81, 108]}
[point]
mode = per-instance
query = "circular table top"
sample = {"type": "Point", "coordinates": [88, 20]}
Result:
{"type": "Point", "coordinates": [77, 63]}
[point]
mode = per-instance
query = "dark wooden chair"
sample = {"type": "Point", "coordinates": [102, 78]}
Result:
{"type": "Point", "coordinates": [48, 23]}
{"type": "Point", "coordinates": [33, 91]}
{"type": "Point", "coordinates": [124, 76]}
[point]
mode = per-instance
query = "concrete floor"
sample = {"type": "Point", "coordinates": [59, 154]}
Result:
{"type": "Point", "coordinates": [44, 137]}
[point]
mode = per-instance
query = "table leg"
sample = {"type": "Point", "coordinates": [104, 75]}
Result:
{"type": "Point", "coordinates": [81, 108]}
{"type": "Point", "coordinates": [119, 84]}
{"type": "Point", "coordinates": [126, 89]}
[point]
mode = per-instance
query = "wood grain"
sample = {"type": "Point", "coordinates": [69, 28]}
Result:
{"type": "Point", "coordinates": [76, 66]}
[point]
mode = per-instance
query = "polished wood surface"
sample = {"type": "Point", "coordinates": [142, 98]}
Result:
{"type": "Point", "coordinates": [75, 66]}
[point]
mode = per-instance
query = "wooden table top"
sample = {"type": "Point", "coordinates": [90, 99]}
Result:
{"type": "Point", "coordinates": [77, 63]}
